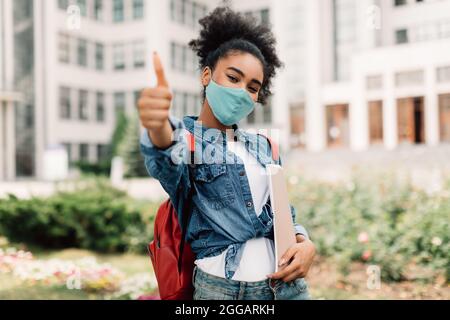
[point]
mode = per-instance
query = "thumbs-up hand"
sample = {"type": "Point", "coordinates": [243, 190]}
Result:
{"type": "Point", "coordinates": [154, 104]}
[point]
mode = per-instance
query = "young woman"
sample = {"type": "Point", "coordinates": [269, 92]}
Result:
{"type": "Point", "coordinates": [231, 229]}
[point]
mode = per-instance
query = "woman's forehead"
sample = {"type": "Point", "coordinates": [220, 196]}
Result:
{"type": "Point", "coordinates": [245, 62]}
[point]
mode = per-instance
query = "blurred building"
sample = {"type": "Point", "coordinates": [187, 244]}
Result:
{"type": "Point", "coordinates": [67, 68]}
{"type": "Point", "coordinates": [360, 73]}
{"type": "Point", "coordinates": [375, 72]}
{"type": "Point", "coordinates": [357, 73]}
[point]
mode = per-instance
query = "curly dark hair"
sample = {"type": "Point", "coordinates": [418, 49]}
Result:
{"type": "Point", "coordinates": [225, 31]}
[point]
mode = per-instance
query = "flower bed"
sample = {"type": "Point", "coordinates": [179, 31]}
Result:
{"type": "Point", "coordinates": [378, 221]}
{"type": "Point", "coordinates": [82, 274]}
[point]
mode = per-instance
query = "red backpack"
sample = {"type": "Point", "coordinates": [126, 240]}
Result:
{"type": "Point", "coordinates": [173, 258]}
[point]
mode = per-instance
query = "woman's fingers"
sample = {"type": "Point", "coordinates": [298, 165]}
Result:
{"type": "Point", "coordinates": [291, 268]}
{"type": "Point", "coordinates": [159, 70]}
{"type": "Point", "coordinates": [154, 103]}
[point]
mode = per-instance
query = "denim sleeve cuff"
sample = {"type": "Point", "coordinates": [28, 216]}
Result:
{"type": "Point", "coordinates": [299, 229]}
{"type": "Point", "coordinates": [149, 149]}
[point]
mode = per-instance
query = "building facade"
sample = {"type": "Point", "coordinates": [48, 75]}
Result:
{"type": "Point", "coordinates": [69, 67]}
{"type": "Point", "coordinates": [376, 73]}
{"type": "Point", "coordinates": [358, 73]}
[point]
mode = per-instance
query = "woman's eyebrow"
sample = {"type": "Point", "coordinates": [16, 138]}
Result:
{"type": "Point", "coordinates": [243, 75]}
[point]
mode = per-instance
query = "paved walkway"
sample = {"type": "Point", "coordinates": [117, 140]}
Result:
{"type": "Point", "coordinates": [427, 167]}
{"type": "Point", "coordinates": [146, 188]}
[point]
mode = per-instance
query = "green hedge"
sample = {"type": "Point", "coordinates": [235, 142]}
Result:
{"type": "Point", "coordinates": [102, 168]}
{"type": "Point", "coordinates": [95, 217]}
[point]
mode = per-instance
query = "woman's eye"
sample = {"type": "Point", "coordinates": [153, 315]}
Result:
{"type": "Point", "coordinates": [253, 90]}
{"type": "Point", "coordinates": [233, 79]}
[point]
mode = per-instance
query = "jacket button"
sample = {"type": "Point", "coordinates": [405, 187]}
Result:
{"type": "Point", "coordinates": [242, 173]}
{"type": "Point", "coordinates": [249, 204]}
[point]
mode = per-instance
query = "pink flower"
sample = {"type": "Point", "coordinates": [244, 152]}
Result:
{"type": "Point", "coordinates": [366, 255]}
{"type": "Point", "coordinates": [363, 237]}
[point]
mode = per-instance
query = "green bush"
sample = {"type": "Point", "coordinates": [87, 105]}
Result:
{"type": "Point", "coordinates": [377, 221]}
{"type": "Point", "coordinates": [94, 216]}
{"type": "Point", "coordinates": [102, 168]}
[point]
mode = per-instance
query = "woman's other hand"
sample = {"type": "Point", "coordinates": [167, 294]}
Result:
{"type": "Point", "coordinates": [301, 256]}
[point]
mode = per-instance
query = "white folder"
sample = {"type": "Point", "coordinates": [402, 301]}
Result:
{"type": "Point", "coordinates": [284, 232]}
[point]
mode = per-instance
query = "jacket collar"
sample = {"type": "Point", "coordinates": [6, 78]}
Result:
{"type": "Point", "coordinates": [255, 144]}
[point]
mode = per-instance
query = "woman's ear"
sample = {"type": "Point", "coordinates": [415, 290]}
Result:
{"type": "Point", "coordinates": [206, 76]}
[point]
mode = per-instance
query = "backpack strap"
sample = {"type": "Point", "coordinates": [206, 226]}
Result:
{"type": "Point", "coordinates": [187, 207]}
{"type": "Point", "coordinates": [273, 146]}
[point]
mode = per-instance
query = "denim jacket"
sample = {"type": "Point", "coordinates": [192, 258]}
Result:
{"type": "Point", "coordinates": [223, 214]}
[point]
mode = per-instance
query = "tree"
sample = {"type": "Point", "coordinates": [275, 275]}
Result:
{"type": "Point", "coordinates": [130, 151]}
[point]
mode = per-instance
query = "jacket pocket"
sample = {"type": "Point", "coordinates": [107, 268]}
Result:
{"type": "Point", "coordinates": [214, 185]}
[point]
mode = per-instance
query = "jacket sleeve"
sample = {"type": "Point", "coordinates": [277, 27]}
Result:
{"type": "Point", "coordinates": [299, 229]}
{"type": "Point", "coordinates": [166, 165]}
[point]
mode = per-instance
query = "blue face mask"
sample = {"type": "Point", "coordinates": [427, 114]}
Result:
{"type": "Point", "coordinates": [229, 105]}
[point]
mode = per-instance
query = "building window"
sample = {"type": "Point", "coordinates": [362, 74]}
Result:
{"type": "Point", "coordinates": [188, 15]}
{"type": "Point", "coordinates": [398, 3]}
{"type": "Point", "coordinates": [198, 11]}
{"type": "Point", "coordinates": [173, 51]}
{"type": "Point", "coordinates": [98, 10]}
{"type": "Point", "coordinates": [83, 110]}
{"type": "Point", "coordinates": [444, 117]}
{"type": "Point", "coordinates": [297, 115]}
{"type": "Point", "coordinates": [443, 74]}
{"type": "Point", "coordinates": [119, 103]}
{"type": "Point", "coordinates": [267, 112]}
{"type": "Point", "coordinates": [82, 6]}
{"type": "Point", "coordinates": [82, 52]}
{"type": "Point", "coordinates": [251, 118]}
{"type": "Point", "coordinates": [338, 128]}
{"type": "Point", "coordinates": [102, 152]}
{"type": "Point", "coordinates": [136, 95]}
{"type": "Point", "coordinates": [265, 18]}
{"type": "Point", "coordinates": [187, 12]}
{"type": "Point", "coordinates": [374, 82]}
{"type": "Point", "coordinates": [180, 104]}
{"type": "Point", "coordinates": [410, 120]}
{"type": "Point", "coordinates": [63, 4]}
{"type": "Point", "coordinates": [182, 58]}
{"type": "Point", "coordinates": [64, 103]}
{"type": "Point", "coordinates": [182, 8]}
{"type": "Point", "coordinates": [138, 9]}
{"type": "Point", "coordinates": [194, 61]}
{"type": "Point", "coordinates": [172, 10]}
{"type": "Point", "coordinates": [68, 148]}
{"type": "Point", "coordinates": [375, 122]}
{"type": "Point", "coordinates": [409, 78]}
{"type": "Point", "coordinates": [64, 48]}
{"type": "Point", "coordinates": [100, 109]}
{"type": "Point", "coordinates": [84, 152]}
{"type": "Point", "coordinates": [401, 36]}
{"type": "Point", "coordinates": [198, 104]}
{"type": "Point", "coordinates": [344, 37]}
{"type": "Point", "coordinates": [119, 57]}
{"type": "Point", "coordinates": [262, 16]}
{"type": "Point", "coordinates": [139, 54]}
{"type": "Point", "coordinates": [118, 11]}
{"type": "Point", "coordinates": [99, 56]}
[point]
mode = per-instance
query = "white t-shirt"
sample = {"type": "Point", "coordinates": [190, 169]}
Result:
{"type": "Point", "coordinates": [258, 257]}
